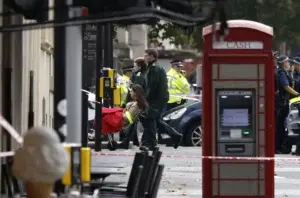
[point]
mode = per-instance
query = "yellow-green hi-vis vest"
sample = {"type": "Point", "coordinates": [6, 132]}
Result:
{"type": "Point", "coordinates": [122, 83]}
{"type": "Point", "coordinates": [178, 86]}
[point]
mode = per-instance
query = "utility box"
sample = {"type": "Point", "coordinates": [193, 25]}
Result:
{"type": "Point", "coordinates": [238, 112]}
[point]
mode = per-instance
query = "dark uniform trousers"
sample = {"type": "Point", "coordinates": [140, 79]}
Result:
{"type": "Point", "coordinates": [149, 124]}
{"type": "Point", "coordinates": [297, 88]}
{"type": "Point", "coordinates": [282, 112]}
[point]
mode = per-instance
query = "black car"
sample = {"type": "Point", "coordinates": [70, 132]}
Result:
{"type": "Point", "coordinates": [186, 119]}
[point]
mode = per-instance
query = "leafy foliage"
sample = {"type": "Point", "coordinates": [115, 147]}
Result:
{"type": "Point", "coordinates": [282, 15]}
{"type": "Point", "coordinates": [176, 35]}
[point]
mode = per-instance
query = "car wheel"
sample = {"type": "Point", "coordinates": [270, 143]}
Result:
{"type": "Point", "coordinates": [194, 135]}
{"type": "Point", "coordinates": [91, 135]}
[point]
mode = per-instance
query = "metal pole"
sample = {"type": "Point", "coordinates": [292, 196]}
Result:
{"type": "Point", "coordinates": [109, 58]}
{"type": "Point", "coordinates": [89, 43]}
{"type": "Point", "coordinates": [59, 76]}
{"type": "Point", "coordinates": [31, 110]}
{"type": "Point", "coordinates": [99, 65]}
{"type": "Point", "coordinates": [73, 52]}
{"type": "Point", "coordinates": [59, 68]}
{"type": "Point", "coordinates": [84, 120]}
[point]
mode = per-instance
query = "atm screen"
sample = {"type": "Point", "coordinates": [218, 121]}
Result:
{"type": "Point", "coordinates": [235, 114]}
{"type": "Point", "coordinates": [235, 117]}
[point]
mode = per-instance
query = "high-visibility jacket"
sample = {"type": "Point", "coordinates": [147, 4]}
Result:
{"type": "Point", "coordinates": [295, 100]}
{"type": "Point", "coordinates": [123, 84]}
{"type": "Point", "coordinates": [178, 86]}
{"type": "Point", "coordinates": [126, 78]}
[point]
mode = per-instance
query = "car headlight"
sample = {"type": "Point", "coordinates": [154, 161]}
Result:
{"type": "Point", "coordinates": [175, 115]}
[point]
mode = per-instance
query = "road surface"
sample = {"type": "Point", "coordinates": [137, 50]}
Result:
{"type": "Point", "coordinates": [183, 176]}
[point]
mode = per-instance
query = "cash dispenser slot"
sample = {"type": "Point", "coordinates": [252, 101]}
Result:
{"type": "Point", "coordinates": [234, 148]}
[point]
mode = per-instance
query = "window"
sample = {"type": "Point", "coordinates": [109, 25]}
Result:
{"type": "Point", "coordinates": [44, 112]}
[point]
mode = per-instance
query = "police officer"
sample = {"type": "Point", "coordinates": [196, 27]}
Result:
{"type": "Point", "coordinates": [291, 73]}
{"type": "Point", "coordinates": [296, 62]}
{"type": "Point", "coordinates": [285, 90]}
{"type": "Point", "coordinates": [177, 84]}
{"type": "Point", "coordinates": [122, 83]}
{"type": "Point", "coordinates": [275, 55]}
{"type": "Point", "coordinates": [127, 72]}
{"type": "Point", "coordinates": [157, 96]}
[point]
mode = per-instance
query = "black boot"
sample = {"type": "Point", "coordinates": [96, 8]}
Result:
{"type": "Point", "coordinates": [175, 135]}
{"type": "Point", "coordinates": [124, 144]}
{"type": "Point", "coordinates": [177, 140]}
{"type": "Point", "coordinates": [144, 148]}
{"type": "Point", "coordinates": [129, 133]}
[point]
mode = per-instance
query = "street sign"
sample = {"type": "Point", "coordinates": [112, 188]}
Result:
{"type": "Point", "coordinates": [89, 47]}
{"type": "Point", "coordinates": [238, 45]}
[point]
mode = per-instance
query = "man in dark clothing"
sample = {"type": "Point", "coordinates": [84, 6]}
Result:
{"type": "Point", "coordinates": [285, 90]}
{"type": "Point", "coordinates": [291, 73]}
{"type": "Point", "coordinates": [296, 62]}
{"type": "Point", "coordinates": [157, 96]}
{"type": "Point", "coordinates": [192, 78]}
{"type": "Point", "coordinates": [138, 74]}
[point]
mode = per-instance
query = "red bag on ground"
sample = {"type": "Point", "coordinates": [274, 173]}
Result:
{"type": "Point", "coordinates": [111, 120]}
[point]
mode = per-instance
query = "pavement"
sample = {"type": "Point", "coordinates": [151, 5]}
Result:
{"type": "Point", "coordinates": [183, 176]}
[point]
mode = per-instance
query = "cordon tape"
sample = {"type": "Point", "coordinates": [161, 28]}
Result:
{"type": "Point", "coordinates": [5, 124]}
{"type": "Point", "coordinates": [289, 159]}
{"type": "Point", "coordinates": [12, 132]}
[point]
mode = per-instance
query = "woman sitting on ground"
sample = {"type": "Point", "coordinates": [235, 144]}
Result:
{"type": "Point", "coordinates": [114, 119]}
{"type": "Point", "coordinates": [137, 105]}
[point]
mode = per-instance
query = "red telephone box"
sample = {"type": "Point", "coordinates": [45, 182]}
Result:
{"type": "Point", "coordinates": [238, 111]}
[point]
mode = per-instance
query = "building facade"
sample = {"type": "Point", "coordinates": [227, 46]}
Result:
{"type": "Point", "coordinates": [26, 75]}
{"type": "Point", "coordinates": [132, 42]}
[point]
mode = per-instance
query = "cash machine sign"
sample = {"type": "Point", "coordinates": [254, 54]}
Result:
{"type": "Point", "coordinates": [238, 45]}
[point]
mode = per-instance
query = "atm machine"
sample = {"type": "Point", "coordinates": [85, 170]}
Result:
{"type": "Point", "coordinates": [236, 123]}
{"type": "Point", "coordinates": [238, 112]}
